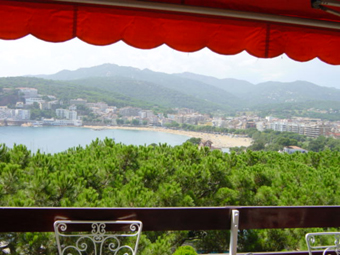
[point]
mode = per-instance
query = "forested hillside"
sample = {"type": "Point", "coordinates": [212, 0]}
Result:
{"type": "Point", "coordinates": [271, 92]}
{"type": "Point", "coordinates": [106, 174]}
{"type": "Point", "coordinates": [329, 110]}
{"type": "Point", "coordinates": [116, 91]}
{"type": "Point", "coordinates": [236, 87]}
{"type": "Point", "coordinates": [158, 82]}
{"type": "Point", "coordinates": [192, 87]}
{"type": "Point", "coordinates": [227, 93]}
{"type": "Point", "coordinates": [298, 91]}
{"type": "Point", "coordinates": [67, 90]}
{"type": "Point", "coordinates": [155, 94]}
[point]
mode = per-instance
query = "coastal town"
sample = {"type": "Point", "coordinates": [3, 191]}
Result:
{"type": "Point", "coordinates": [79, 112]}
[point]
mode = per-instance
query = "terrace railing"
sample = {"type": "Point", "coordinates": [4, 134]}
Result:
{"type": "Point", "coordinates": [29, 219]}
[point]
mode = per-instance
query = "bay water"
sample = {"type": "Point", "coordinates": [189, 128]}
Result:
{"type": "Point", "coordinates": [58, 139]}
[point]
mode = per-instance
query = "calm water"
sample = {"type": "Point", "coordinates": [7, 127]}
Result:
{"type": "Point", "coordinates": [57, 139]}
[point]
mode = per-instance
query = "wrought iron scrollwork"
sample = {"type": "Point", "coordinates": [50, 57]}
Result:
{"type": "Point", "coordinates": [324, 241]}
{"type": "Point", "coordinates": [97, 239]}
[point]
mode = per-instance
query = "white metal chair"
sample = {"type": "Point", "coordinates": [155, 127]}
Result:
{"type": "Point", "coordinates": [328, 242]}
{"type": "Point", "coordinates": [97, 237]}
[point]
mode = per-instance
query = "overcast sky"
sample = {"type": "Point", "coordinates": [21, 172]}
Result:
{"type": "Point", "coordinates": [32, 56]}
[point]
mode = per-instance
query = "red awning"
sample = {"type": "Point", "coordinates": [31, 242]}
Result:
{"type": "Point", "coordinates": [264, 28]}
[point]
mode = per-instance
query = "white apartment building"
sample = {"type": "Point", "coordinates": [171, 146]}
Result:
{"type": "Point", "coordinates": [307, 129]}
{"type": "Point", "coordinates": [278, 126]}
{"type": "Point", "coordinates": [45, 106]}
{"type": "Point", "coordinates": [21, 114]}
{"type": "Point", "coordinates": [146, 114]}
{"type": "Point", "coordinates": [63, 113]}
{"type": "Point", "coordinates": [73, 115]}
{"type": "Point", "coordinates": [66, 114]}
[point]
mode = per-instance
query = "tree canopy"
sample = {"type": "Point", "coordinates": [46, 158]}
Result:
{"type": "Point", "coordinates": [109, 174]}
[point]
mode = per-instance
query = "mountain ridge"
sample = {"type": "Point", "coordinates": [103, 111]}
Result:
{"type": "Point", "coordinates": [224, 93]}
{"type": "Point", "coordinates": [189, 87]}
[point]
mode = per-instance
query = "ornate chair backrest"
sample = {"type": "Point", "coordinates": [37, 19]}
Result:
{"type": "Point", "coordinates": [327, 242]}
{"type": "Point", "coordinates": [97, 237]}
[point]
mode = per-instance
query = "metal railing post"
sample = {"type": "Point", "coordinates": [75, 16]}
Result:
{"type": "Point", "coordinates": [233, 232]}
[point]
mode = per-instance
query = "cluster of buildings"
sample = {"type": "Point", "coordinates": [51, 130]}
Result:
{"type": "Point", "coordinates": [27, 98]}
{"type": "Point", "coordinates": [69, 113]}
{"type": "Point", "coordinates": [30, 96]}
{"type": "Point", "coordinates": [104, 114]}
{"type": "Point", "coordinates": [139, 116]}
{"type": "Point", "coordinates": [303, 126]}
{"type": "Point", "coordinates": [14, 114]}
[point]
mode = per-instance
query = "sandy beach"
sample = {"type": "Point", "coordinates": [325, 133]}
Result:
{"type": "Point", "coordinates": [220, 141]}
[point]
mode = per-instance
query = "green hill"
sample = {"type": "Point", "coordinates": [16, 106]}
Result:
{"type": "Point", "coordinates": [235, 87]}
{"type": "Point", "coordinates": [150, 92]}
{"type": "Point", "coordinates": [193, 88]}
{"type": "Point", "coordinates": [200, 92]}
{"type": "Point", "coordinates": [117, 91]}
{"type": "Point", "coordinates": [66, 91]}
{"type": "Point", "coordinates": [271, 92]}
{"type": "Point", "coordinates": [298, 91]}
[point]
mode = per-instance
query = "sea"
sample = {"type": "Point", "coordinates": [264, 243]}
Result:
{"type": "Point", "coordinates": [58, 139]}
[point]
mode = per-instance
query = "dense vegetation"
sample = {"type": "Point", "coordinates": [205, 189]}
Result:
{"type": "Point", "coordinates": [159, 95]}
{"type": "Point", "coordinates": [106, 174]}
{"type": "Point", "coordinates": [115, 92]}
{"type": "Point", "coordinates": [66, 91]}
{"type": "Point", "coordinates": [185, 250]}
{"type": "Point", "coordinates": [326, 110]}
{"type": "Point", "coordinates": [271, 140]}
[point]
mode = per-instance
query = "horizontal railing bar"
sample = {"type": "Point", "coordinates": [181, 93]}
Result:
{"type": "Point", "coordinates": [30, 219]}
{"type": "Point", "coordinates": [289, 217]}
{"type": "Point", "coordinates": [154, 219]}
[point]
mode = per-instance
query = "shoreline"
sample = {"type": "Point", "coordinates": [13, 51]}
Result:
{"type": "Point", "coordinates": [219, 141]}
